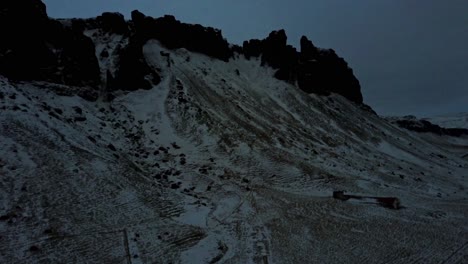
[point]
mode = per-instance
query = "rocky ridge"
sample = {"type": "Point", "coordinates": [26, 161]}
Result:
{"type": "Point", "coordinates": [60, 51]}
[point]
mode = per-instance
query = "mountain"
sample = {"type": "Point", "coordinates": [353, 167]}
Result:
{"type": "Point", "coordinates": [153, 148]}
{"type": "Point", "coordinates": [36, 47]}
{"type": "Point", "coordinates": [424, 126]}
{"type": "Point", "coordinates": [459, 120]}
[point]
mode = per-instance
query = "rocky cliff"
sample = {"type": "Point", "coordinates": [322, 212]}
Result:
{"type": "Point", "coordinates": [36, 47]}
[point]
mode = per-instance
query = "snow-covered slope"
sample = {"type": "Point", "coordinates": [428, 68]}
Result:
{"type": "Point", "coordinates": [459, 120]}
{"type": "Point", "coordinates": [219, 163]}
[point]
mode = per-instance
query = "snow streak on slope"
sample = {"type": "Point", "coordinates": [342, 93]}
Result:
{"type": "Point", "coordinates": [219, 163]}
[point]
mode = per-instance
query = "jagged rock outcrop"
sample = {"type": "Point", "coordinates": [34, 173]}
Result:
{"type": "Point", "coordinates": [113, 23]}
{"type": "Point", "coordinates": [173, 34]}
{"type": "Point", "coordinates": [34, 47]}
{"type": "Point", "coordinates": [133, 72]}
{"type": "Point", "coordinates": [315, 70]}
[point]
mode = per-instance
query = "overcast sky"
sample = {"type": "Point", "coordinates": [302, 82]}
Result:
{"type": "Point", "coordinates": [411, 56]}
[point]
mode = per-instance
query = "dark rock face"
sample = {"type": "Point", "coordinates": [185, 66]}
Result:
{"type": "Point", "coordinates": [33, 47]}
{"type": "Point", "coordinates": [424, 126]}
{"type": "Point", "coordinates": [281, 56]}
{"type": "Point", "coordinates": [274, 49]}
{"type": "Point", "coordinates": [173, 34]}
{"type": "Point", "coordinates": [133, 72]}
{"type": "Point", "coordinates": [310, 74]}
{"type": "Point", "coordinates": [113, 23]}
{"type": "Point", "coordinates": [20, 22]}
{"type": "Point", "coordinates": [315, 70]}
{"type": "Point", "coordinates": [252, 48]}
{"type": "Point", "coordinates": [328, 72]}
{"type": "Point", "coordinates": [77, 58]}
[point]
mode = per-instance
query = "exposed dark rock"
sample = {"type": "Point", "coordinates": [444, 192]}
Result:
{"type": "Point", "coordinates": [104, 54]}
{"type": "Point", "coordinates": [34, 248]}
{"type": "Point", "coordinates": [78, 110]}
{"type": "Point", "coordinates": [273, 48]}
{"type": "Point", "coordinates": [315, 70]}
{"type": "Point", "coordinates": [334, 75]}
{"type": "Point", "coordinates": [4, 217]}
{"type": "Point", "coordinates": [236, 49]}
{"type": "Point", "coordinates": [92, 139]}
{"type": "Point", "coordinates": [33, 47]}
{"type": "Point", "coordinates": [78, 59]}
{"type": "Point", "coordinates": [252, 48]}
{"type": "Point", "coordinates": [21, 21]}
{"type": "Point", "coordinates": [113, 23]}
{"type": "Point", "coordinates": [308, 49]}
{"type": "Point", "coordinates": [58, 111]}
{"type": "Point", "coordinates": [367, 108]}
{"type": "Point", "coordinates": [133, 72]}
{"type": "Point", "coordinates": [111, 147]}
{"type": "Point", "coordinates": [388, 202]}
{"type": "Point", "coordinates": [79, 119]}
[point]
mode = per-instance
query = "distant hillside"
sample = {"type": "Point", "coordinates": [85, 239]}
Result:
{"type": "Point", "coordinates": [424, 126]}
{"type": "Point", "coordinates": [459, 120]}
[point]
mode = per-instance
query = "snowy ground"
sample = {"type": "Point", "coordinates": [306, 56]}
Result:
{"type": "Point", "coordinates": [459, 120]}
{"type": "Point", "coordinates": [220, 163]}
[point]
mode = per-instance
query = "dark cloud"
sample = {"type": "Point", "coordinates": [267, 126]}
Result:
{"type": "Point", "coordinates": [409, 55]}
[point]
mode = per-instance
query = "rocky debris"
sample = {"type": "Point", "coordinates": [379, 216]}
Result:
{"type": "Point", "coordinates": [388, 202]}
{"type": "Point", "coordinates": [78, 110]}
{"type": "Point", "coordinates": [79, 119]}
{"type": "Point", "coordinates": [111, 147]}
{"type": "Point", "coordinates": [34, 248]}
{"type": "Point", "coordinates": [92, 139]}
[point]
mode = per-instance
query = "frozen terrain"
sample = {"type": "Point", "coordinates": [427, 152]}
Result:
{"type": "Point", "coordinates": [220, 163]}
{"type": "Point", "coordinates": [459, 120]}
